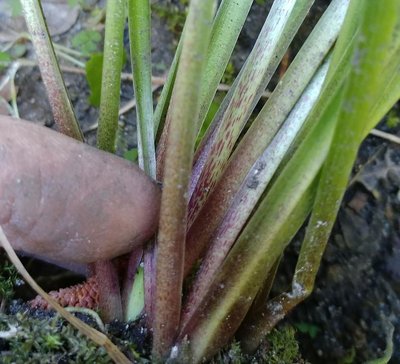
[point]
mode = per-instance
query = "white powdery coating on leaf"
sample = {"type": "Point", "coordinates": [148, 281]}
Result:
{"type": "Point", "coordinates": [321, 223]}
{"type": "Point", "coordinates": [174, 352]}
{"type": "Point", "coordinates": [276, 309]}
{"type": "Point", "coordinates": [297, 291]}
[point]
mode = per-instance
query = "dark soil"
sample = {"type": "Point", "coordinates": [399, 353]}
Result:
{"type": "Point", "coordinates": [357, 292]}
{"type": "Point", "coordinates": [356, 296]}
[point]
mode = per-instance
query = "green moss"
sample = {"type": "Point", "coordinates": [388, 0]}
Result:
{"type": "Point", "coordinates": [8, 280]}
{"type": "Point", "coordinates": [52, 340]}
{"type": "Point", "coordinates": [232, 355]}
{"type": "Point", "coordinates": [280, 347]}
{"type": "Point", "coordinates": [283, 347]}
{"type": "Point", "coordinates": [47, 341]}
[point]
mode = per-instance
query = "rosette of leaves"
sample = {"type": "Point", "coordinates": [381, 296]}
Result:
{"type": "Point", "coordinates": [230, 206]}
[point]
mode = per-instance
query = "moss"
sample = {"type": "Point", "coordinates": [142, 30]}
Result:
{"type": "Point", "coordinates": [47, 341]}
{"type": "Point", "coordinates": [24, 339]}
{"type": "Point", "coordinates": [232, 355]}
{"type": "Point", "coordinates": [52, 340]}
{"type": "Point", "coordinates": [283, 347]}
{"type": "Point", "coordinates": [8, 280]}
{"type": "Point", "coordinates": [280, 347]}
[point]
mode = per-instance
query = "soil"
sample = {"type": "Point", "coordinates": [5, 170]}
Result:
{"type": "Point", "coordinates": [356, 297]}
{"type": "Point", "coordinates": [357, 292]}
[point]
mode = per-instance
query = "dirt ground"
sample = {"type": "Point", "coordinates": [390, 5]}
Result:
{"type": "Point", "coordinates": [357, 293]}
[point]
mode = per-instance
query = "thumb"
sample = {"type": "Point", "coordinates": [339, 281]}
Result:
{"type": "Point", "coordinates": [66, 201]}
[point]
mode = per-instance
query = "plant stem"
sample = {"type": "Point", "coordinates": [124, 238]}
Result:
{"type": "Point", "coordinates": [110, 301]}
{"type": "Point", "coordinates": [227, 25]}
{"type": "Point", "coordinates": [140, 42]}
{"type": "Point", "coordinates": [71, 59]}
{"type": "Point", "coordinates": [225, 31]}
{"type": "Point", "coordinates": [165, 97]}
{"type": "Point", "coordinates": [111, 79]}
{"type": "Point", "coordinates": [263, 129]}
{"type": "Point", "coordinates": [351, 110]}
{"type": "Point", "coordinates": [70, 51]}
{"type": "Point", "coordinates": [280, 27]}
{"type": "Point", "coordinates": [365, 84]}
{"type": "Point", "coordinates": [110, 304]}
{"type": "Point", "coordinates": [63, 112]}
{"type": "Point", "coordinates": [278, 217]}
{"type": "Point", "coordinates": [139, 19]}
{"type": "Point", "coordinates": [251, 190]}
{"type": "Point", "coordinates": [179, 155]}
{"type": "Point", "coordinates": [110, 295]}
{"type": "Point", "coordinates": [10, 75]}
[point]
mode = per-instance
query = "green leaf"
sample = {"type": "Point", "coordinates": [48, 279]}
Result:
{"type": "Point", "coordinates": [139, 19]}
{"type": "Point", "coordinates": [252, 189]}
{"type": "Point", "coordinates": [111, 75]}
{"type": "Point", "coordinates": [94, 68]}
{"type": "Point", "coordinates": [87, 41]}
{"type": "Point", "coordinates": [184, 108]}
{"type": "Point", "coordinates": [264, 128]}
{"type": "Point", "coordinates": [278, 30]}
{"type": "Point", "coordinates": [278, 217]}
{"type": "Point", "coordinates": [131, 155]}
{"type": "Point", "coordinates": [162, 106]}
{"type": "Point", "coordinates": [307, 328]}
{"type": "Point", "coordinates": [393, 119]}
{"type": "Point", "coordinates": [227, 25]}
{"type": "Point", "coordinates": [210, 116]}
{"type": "Point", "coordinates": [94, 75]}
{"type": "Point", "coordinates": [136, 298]}
{"type": "Point", "coordinates": [5, 59]}
{"type": "Point", "coordinates": [63, 112]}
{"type": "Point", "coordinates": [362, 92]}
